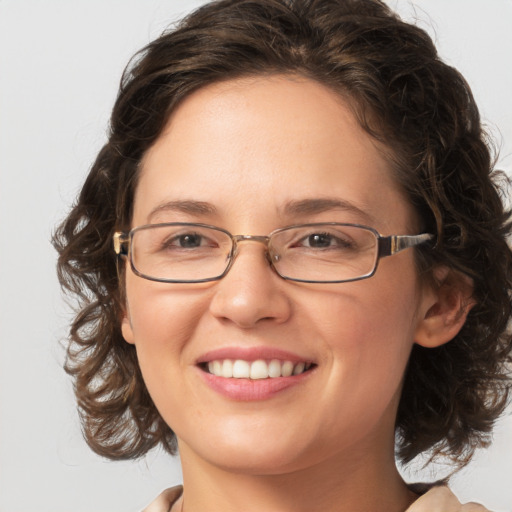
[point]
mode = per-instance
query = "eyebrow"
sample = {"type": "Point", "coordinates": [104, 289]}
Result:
{"type": "Point", "coordinates": [191, 207]}
{"type": "Point", "coordinates": [314, 206]}
{"type": "Point", "coordinates": [302, 207]}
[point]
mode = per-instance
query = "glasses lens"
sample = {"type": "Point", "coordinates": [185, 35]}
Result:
{"type": "Point", "coordinates": [325, 252]}
{"type": "Point", "coordinates": [180, 252]}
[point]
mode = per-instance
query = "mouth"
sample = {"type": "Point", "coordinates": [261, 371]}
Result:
{"type": "Point", "coordinates": [258, 369]}
{"type": "Point", "coordinates": [254, 373]}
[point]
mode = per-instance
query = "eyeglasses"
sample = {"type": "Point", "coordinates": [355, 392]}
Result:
{"type": "Point", "coordinates": [329, 252]}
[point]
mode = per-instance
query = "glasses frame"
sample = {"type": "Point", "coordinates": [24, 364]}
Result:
{"type": "Point", "coordinates": [386, 246]}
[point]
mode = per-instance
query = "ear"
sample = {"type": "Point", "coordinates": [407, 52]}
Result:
{"type": "Point", "coordinates": [445, 307]}
{"type": "Point", "coordinates": [126, 327]}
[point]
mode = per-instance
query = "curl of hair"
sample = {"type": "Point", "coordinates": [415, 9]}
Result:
{"type": "Point", "coordinates": [421, 109]}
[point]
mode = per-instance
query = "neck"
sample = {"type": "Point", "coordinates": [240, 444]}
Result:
{"type": "Point", "coordinates": [347, 482]}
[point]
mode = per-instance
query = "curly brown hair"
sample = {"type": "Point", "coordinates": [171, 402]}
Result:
{"type": "Point", "coordinates": [403, 95]}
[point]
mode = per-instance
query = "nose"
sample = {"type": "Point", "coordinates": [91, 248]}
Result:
{"type": "Point", "coordinates": [251, 292]}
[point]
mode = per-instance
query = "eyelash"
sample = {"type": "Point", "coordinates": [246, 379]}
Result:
{"type": "Point", "coordinates": [340, 243]}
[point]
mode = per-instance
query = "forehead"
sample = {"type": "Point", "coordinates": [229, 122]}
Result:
{"type": "Point", "coordinates": [254, 144]}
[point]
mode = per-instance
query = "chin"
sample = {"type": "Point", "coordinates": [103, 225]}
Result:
{"type": "Point", "coordinates": [246, 451]}
{"type": "Point", "coordinates": [255, 461]}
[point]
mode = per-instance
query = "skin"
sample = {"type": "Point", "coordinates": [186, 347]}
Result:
{"type": "Point", "coordinates": [248, 147]}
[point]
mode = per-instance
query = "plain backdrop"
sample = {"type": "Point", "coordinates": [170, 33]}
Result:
{"type": "Point", "coordinates": [60, 63]}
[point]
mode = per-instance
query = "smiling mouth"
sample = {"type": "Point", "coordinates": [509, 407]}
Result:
{"type": "Point", "coordinates": [255, 370]}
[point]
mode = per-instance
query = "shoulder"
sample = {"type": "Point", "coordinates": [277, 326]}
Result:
{"type": "Point", "coordinates": [441, 499]}
{"type": "Point", "coordinates": [165, 500]}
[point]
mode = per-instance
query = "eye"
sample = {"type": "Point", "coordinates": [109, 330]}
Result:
{"type": "Point", "coordinates": [325, 241]}
{"type": "Point", "coordinates": [320, 240]}
{"type": "Point", "coordinates": [187, 241]}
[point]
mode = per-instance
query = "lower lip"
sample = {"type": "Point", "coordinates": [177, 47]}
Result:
{"type": "Point", "coordinates": [252, 390]}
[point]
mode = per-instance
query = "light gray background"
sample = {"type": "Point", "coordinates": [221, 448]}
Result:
{"type": "Point", "coordinates": [60, 63]}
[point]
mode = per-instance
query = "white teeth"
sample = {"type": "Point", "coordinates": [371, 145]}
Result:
{"type": "Point", "coordinates": [274, 368]}
{"type": "Point", "coordinates": [227, 368]}
{"type": "Point", "coordinates": [287, 369]}
{"type": "Point", "coordinates": [241, 369]}
{"type": "Point", "coordinates": [259, 369]}
{"type": "Point", "coordinates": [298, 368]}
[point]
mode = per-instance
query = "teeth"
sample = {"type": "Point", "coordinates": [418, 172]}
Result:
{"type": "Point", "coordinates": [227, 368]}
{"type": "Point", "coordinates": [259, 369]}
{"type": "Point", "coordinates": [274, 368]}
{"type": "Point", "coordinates": [241, 369]}
{"type": "Point", "coordinates": [287, 369]}
{"type": "Point", "coordinates": [298, 368]}
{"type": "Point", "coordinates": [217, 367]}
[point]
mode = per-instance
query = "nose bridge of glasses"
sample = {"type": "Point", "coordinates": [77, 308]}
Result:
{"type": "Point", "coordinates": [251, 238]}
{"type": "Point", "coordinates": [262, 239]}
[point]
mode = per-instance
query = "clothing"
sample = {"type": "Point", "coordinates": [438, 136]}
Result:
{"type": "Point", "coordinates": [437, 499]}
{"type": "Point", "coordinates": [166, 500]}
{"type": "Point", "coordinates": [441, 499]}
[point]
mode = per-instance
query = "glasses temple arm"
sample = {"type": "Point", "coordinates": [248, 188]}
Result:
{"type": "Point", "coordinates": [121, 241]}
{"type": "Point", "coordinates": [389, 245]}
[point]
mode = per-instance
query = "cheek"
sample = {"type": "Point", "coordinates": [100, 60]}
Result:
{"type": "Point", "coordinates": [161, 321]}
{"type": "Point", "coordinates": [367, 330]}
{"type": "Point", "coordinates": [365, 315]}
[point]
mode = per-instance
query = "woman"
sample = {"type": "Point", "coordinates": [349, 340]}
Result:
{"type": "Point", "coordinates": [291, 253]}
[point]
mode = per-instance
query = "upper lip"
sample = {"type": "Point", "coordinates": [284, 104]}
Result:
{"type": "Point", "coordinates": [251, 354]}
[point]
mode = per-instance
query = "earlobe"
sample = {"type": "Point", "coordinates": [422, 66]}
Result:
{"type": "Point", "coordinates": [126, 328]}
{"type": "Point", "coordinates": [445, 307]}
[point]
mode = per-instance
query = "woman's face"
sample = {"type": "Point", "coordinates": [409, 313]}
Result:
{"type": "Point", "coordinates": [251, 156]}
